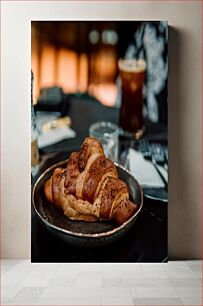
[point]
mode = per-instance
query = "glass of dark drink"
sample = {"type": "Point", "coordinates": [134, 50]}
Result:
{"type": "Point", "coordinates": [132, 73]}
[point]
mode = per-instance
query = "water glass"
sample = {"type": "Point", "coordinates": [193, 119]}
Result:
{"type": "Point", "coordinates": [107, 133]}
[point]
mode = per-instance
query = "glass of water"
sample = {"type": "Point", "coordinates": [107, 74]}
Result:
{"type": "Point", "coordinates": [107, 133]}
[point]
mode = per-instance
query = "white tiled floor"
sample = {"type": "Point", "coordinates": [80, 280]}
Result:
{"type": "Point", "coordinates": [173, 283]}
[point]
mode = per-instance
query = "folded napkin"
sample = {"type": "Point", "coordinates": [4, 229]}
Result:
{"type": "Point", "coordinates": [54, 135]}
{"type": "Point", "coordinates": [144, 171]}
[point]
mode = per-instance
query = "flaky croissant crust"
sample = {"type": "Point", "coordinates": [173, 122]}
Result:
{"type": "Point", "coordinates": [89, 188]}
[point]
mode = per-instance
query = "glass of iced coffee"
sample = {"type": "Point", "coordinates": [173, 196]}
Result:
{"type": "Point", "coordinates": [132, 74]}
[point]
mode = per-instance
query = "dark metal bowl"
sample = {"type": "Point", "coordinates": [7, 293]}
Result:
{"type": "Point", "coordinates": [81, 233]}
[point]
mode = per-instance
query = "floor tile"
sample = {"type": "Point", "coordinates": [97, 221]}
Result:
{"type": "Point", "coordinates": [15, 275]}
{"type": "Point", "coordinates": [122, 274]}
{"type": "Point", "coordinates": [72, 292]}
{"type": "Point", "coordinates": [198, 274]}
{"type": "Point", "coordinates": [181, 274]}
{"type": "Point", "coordinates": [5, 268]}
{"type": "Point", "coordinates": [193, 301]}
{"type": "Point", "coordinates": [189, 291]}
{"type": "Point", "coordinates": [37, 279]}
{"type": "Point", "coordinates": [155, 274]}
{"type": "Point", "coordinates": [147, 282]}
{"type": "Point", "coordinates": [176, 263]}
{"type": "Point", "coordinates": [9, 292]}
{"type": "Point", "coordinates": [68, 271]}
{"type": "Point", "coordinates": [185, 282]}
{"type": "Point", "coordinates": [61, 282]}
{"type": "Point", "coordinates": [69, 301]}
{"type": "Point", "coordinates": [117, 301]}
{"type": "Point", "coordinates": [196, 268]}
{"type": "Point", "coordinates": [116, 292]}
{"type": "Point", "coordinates": [153, 267]}
{"type": "Point", "coordinates": [11, 279]}
{"type": "Point", "coordinates": [70, 267]}
{"type": "Point", "coordinates": [173, 283]}
{"type": "Point", "coordinates": [90, 274]}
{"type": "Point", "coordinates": [46, 267]}
{"type": "Point", "coordinates": [84, 301]}
{"type": "Point", "coordinates": [32, 292]}
{"type": "Point", "coordinates": [89, 279]}
{"type": "Point", "coordinates": [193, 262]}
{"type": "Point", "coordinates": [22, 301]}
{"type": "Point", "coordinates": [134, 268]}
{"type": "Point", "coordinates": [176, 268]}
{"type": "Point", "coordinates": [22, 265]}
{"type": "Point", "coordinates": [136, 282]}
{"type": "Point", "coordinates": [157, 301]}
{"type": "Point", "coordinates": [112, 282]}
{"type": "Point", "coordinates": [91, 267]}
{"type": "Point", "coordinates": [153, 292]}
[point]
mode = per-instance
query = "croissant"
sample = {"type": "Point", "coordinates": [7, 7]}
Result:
{"type": "Point", "coordinates": [89, 188]}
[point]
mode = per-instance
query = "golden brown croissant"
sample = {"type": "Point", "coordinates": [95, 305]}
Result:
{"type": "Point", "coordinates": [89, 188]}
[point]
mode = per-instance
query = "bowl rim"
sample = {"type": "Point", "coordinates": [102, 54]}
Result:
{"type": "Point", "coordinates": [78, 234]}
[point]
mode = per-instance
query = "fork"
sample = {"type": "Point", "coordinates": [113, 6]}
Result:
{"type": "Point", "coordinates": [151, 153]}
{"type": "Point", "coordinates": [160, 153]}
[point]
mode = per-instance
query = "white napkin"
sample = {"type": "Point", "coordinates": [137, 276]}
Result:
{"type": "Point", "coordinates": [144, 171]}
{"type": "Point", "coordinates": [54, 135]}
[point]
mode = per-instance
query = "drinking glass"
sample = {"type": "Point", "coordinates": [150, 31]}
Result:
{"type": "Point", "coordinates": [132, 73]}
{"type": "Point", "coordinates": [107, 133]}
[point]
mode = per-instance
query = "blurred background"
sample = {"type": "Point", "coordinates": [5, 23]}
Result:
{"type": "Point", "coordinates": [80, 57]}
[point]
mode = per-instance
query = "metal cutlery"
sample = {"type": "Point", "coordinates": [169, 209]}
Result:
{"type": "Point", "coordinates": [156, 153]}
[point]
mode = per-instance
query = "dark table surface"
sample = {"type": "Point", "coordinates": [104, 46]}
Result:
{"type": "Point", "coordinates": [147, 239]}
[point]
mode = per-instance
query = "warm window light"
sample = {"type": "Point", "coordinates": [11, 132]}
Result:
{"type": "Point", "coordinates": [71, 71]}
{"type": "Point", "coordinates": [83, 73]}
{"type": "Point", "coordinates": [47, 76]}
{"type": "Point", "coordinates": [105, 64]}
{"type": "Point", "coordinates": [105, 93]}
{"type": "Point", "coordinates": [67, 70]}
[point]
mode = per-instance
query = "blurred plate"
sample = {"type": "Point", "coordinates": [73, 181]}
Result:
{"type": "Point", "coordinates": [81, 233]}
